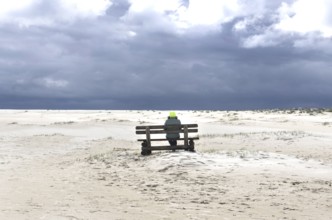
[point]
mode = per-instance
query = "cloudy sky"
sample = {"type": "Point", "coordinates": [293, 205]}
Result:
{"type": "Point", "coordinates": [165, 54]}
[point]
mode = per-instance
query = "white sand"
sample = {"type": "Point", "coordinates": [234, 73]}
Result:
{"type": "Point", "coordinates": [87, 165]}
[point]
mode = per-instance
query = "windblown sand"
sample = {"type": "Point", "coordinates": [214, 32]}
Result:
{"type": "Point", "coordinates": [87, 165]}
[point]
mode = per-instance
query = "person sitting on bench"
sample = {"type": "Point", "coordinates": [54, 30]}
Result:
{"type": "Point", "coordinates": [172, 137]}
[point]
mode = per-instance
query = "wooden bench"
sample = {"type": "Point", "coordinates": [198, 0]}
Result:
{"type": "Point", "coordinates": [188, 142]}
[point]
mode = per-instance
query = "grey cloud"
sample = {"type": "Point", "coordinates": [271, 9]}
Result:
{"type": "Point", "coordinates": [118, 9]}
{"type": "Point", "coordinates": [105, 67]}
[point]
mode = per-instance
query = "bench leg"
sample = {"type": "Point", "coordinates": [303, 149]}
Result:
{"type": "Point", "coordinates": [191, 145]}
{"type": "Point", "coordinates": [187, 149]}
{"type": "Point", "coordinates": [145, 152]}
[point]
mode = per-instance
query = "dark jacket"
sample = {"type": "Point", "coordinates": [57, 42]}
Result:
{"type": "Point", "coordinates": [172, 121]}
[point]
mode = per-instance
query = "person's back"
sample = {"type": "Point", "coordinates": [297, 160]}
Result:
{"type": "Point", "coordinates": [172, 120]}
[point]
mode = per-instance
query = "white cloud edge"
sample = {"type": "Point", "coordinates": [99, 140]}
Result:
{"type": "Point", "coordinates": [301, 17]}
{"type": "Point", "coordinates": [20, 11]}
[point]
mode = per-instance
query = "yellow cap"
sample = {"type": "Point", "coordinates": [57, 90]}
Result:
{"type": "Point", "coordinates": [172, 115]}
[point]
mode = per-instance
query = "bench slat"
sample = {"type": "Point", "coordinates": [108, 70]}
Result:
{"type": "Point", "coordinates": [163, 131]}
{"type": "Point", "coordinates": [180, 139]}
{"type": "Point", "coordinates": [178, 147]}
{"type": "Point", "coordinates": [163, 126]}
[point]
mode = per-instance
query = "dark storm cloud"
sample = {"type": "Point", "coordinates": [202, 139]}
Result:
{"type": "Point", "coordinates": [118, 9]}
{"type": "Point", "coordinates": [118, 62]}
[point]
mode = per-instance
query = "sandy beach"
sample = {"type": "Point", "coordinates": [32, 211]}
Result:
{"type": "Point", "coordinates": [84, 165]}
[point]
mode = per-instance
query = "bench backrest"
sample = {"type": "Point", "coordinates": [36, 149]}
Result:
{"type": "Point", "coordinates": [162, 129]}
